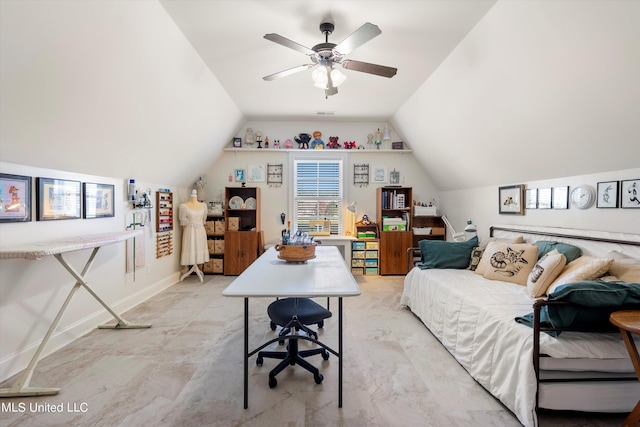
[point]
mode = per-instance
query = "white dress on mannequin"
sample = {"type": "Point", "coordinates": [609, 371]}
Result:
{"type": "Point", "coordinates": [193, 215]}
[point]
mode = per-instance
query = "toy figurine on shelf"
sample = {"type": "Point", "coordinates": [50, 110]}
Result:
{"type": "Point", "coordinates": [288, 144]}
{"type": "Point", "coordinates": [276, 143]}
{"type": "Point", "coordinates": [266, 142]}
{"type": "Point", "coordinates": [378, 138]}
{"type": "Point", "coordinates": [333, 142]}
{"type": "Point", "coordinates": [303, 140]}
{"type": "Point", "coordinates": [348, 145]}
{"type": "Point", "coordinates": [317, 143]}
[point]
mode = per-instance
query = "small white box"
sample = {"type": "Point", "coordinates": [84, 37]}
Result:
{"type": "Point", "coordinates": [424, 231]}
{"type": "Point", "coordinates": [425, 211]}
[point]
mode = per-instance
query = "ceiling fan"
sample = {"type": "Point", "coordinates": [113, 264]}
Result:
{"type": "Point", "coordinates": [325, 55]}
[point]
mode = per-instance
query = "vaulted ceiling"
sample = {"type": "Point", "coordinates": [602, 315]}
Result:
{"type": "Point", "coordinates": [416, 37]}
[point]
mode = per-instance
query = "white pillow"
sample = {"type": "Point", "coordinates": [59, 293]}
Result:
{"type": "Point", "coordinates": [624, 267]}
{"type": "Point", "coordinates": [583, 268]}
{"type": "Point", "coordinates": [546, 270]}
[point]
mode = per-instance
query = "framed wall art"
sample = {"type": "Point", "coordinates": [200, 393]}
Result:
{"type": "Point", "coordinates": [394, 177]}
{"type": "Point", "coordinates": [379, 175]}
{"type": "Point", "coordinates": [511, 200]}
{"type": "Point", "coordinates": [607, 194]}
{"type": "Point", "coordinates": [256, 173]}
{"type": "Point", "coordinates": [15, 198]}
{"type": "Point", "coordinates": [98, 200]}
{"type": "Point", "coordinates": [57, 199]}
{"type": "Point", "coordinates": [560, 198]}
{"type": "Point", "coordinates": [531, 198]}
{"type": "Point", "coordinates": [239, 175]}
{"type": "Point", "coordinates": [544, 198]}
{"type": "Point", "coordinates": [630, 193]}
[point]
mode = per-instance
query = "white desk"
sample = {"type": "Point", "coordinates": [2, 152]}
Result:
{"type": "Point", "coordinates": [326, 275]}
{"type": "Point", "coordinates": [36, 251]}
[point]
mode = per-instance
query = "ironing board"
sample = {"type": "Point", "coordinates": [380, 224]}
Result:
{"type": "Point", "coordinates": [36, 251]}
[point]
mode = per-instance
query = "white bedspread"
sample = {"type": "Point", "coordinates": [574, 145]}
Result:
{"type": "Point", "coordinates": [474, 319]}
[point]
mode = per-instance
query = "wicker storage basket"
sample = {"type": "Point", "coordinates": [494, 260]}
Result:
{"type": "Point", "coordinates": [296, 253]}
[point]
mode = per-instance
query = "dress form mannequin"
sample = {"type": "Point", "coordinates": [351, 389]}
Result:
{"type": "Point", "coordinates": [193, 215]}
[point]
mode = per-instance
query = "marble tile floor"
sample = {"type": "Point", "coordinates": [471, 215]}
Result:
{"type": "Point", "coordinates": [187, 371]}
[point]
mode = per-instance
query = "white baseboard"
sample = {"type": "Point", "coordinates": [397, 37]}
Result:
{"type": "Point", "coordinates": [19, 360]}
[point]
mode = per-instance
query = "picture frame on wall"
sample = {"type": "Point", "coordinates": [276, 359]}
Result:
{"type": "Point", "coordinates": [607, 194]}
{"type": "Point", "coordinates": [379, 175]}
{"type": "Point", "coordinates": [256, 173]}
{"type": "Point", "coordinates": [57, 199]}
{"type": "Point", "coordinates": [98, 200]}
{"type": "Point", "coordinates": [239, 175]}
{"type": "Point", "coordinates": [531, 197]}
{"type": "Point", "coordinates": [545, 198]}
{"type": "Point", "coordinates": [560, 198]}
{"type": "Point", "coordinates": [630, 193]}
{"type": "Point", "coordinates": [511, 200]}
{"type": "Point", "coordinates": [15, 198]}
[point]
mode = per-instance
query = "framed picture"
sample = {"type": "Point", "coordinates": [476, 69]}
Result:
{"type": "Point", "coordinates": [239, 175]}
{"type": "Point", "coordinates": [608, 194]}
{"type": "Point", "coordinates": [15, 198]}
{"type": "Point", "coordinates": [379, 175]}
{"type": "Point", "coordinates": [630, 193]}
{"type": "Point", "coordinates": [560, 199]}
{"type": "Point", "coordinates": [256, 173]}
{"type": "Point", "coordinates": [511, 199]}
{"type": "Point", "coordinates": [57, 199]}
{"type": "Point", "coordinates": [544, 198]}
{"type": "Point", "coordinates": [237, 142]}
{"type": "Point", "coordinates": [531, 198]}
{"type": "Point", "coordinates": [394, 177]}
{"type": "Point", "coordinates": [98, 200]}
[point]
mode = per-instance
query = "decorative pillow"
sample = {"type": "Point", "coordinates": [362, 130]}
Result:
{"type": "Point", "coordinates": [441, 254]}
{"type": "Point", "coordinates": [476, 254]}
{"type": "Point", "coordinates": [486, 242]}
{"type": "Point", "coordinates": [624, 267]}
{"type": "Point", "coordinates": [484, 260]}
{"type": "Point", "coordinates": [545, 272]}
{"type": "Point", "coordinates": [510, 262]}
{"type": "Point", "coordinates": [584, 268]}
{"type": "Point", "coordinates": [569, 251]}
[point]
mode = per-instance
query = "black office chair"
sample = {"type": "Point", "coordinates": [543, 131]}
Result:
{"type": "Point", "coordinates": [295, 313]}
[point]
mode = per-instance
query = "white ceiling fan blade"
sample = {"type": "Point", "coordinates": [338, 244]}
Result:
{"type": "Point", "coordinates": [358, 38]}
{"type": "Point", "coordinates": [277, 38]}
{"type": "Point", "coordinates": [288, 72]}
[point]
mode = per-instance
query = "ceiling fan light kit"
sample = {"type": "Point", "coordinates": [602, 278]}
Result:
{"type": "Point", "coordinates": [325, 55]}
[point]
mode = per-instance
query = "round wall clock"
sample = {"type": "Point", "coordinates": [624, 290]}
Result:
{"type": "Point", "coordinates": [582, 196]}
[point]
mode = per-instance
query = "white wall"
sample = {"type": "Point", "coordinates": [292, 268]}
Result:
{"type": "Point", "coordinates": [108, 87]}
{"type": "Point", "coordinates": [537, 90]}
{"type": "Point", "coordinates": [32, 292]}
{"type": "Point", "coordinates": [97, 91]}
{"type": "Point", "coordinates": [277, 200]}
{"type": "Point", "coordinates": [481, 205]}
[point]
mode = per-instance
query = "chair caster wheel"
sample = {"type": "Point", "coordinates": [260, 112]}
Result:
{"type": "Point", "coordinates": [259, 361]}
{"type": "Point", "coordinates": [273, 382]}
{"type": "Point", "coordinates": [325, 355]}
{"type": "Point", "coordinates": [273, 326]}
{"type": "Point", "coordinates": [321, 324]}
{"type": "Point", "coordinates": [281, 342]}
{"type": "Point", "coordinates": [318, 378]}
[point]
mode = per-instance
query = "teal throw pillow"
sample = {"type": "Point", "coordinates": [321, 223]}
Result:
{"type": "Point", "coordinates": [569, 251]}
{"type": "Point", "coordinates": [440, 254]}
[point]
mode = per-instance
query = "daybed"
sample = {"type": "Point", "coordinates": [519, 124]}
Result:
{"type": "Point", "coordinates": [475, 319]}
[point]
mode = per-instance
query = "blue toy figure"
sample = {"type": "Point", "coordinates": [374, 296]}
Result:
{"type": "Point", "coordinates": [317, 143]}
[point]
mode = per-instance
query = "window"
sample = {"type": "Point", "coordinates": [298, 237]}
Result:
{"type": "Point", "coordinates": [317, 193]}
